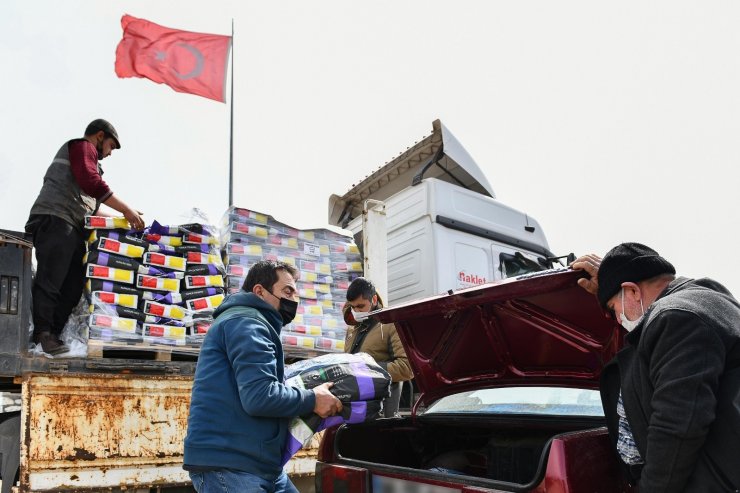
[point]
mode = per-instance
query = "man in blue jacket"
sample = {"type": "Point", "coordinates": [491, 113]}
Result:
{"type": "Point", "coordinates": [240, 408]}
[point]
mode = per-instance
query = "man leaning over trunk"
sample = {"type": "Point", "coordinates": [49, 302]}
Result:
{"type": "Point", "coordinates": [672, 395]}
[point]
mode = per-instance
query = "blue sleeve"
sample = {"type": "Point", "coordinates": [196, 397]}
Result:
{"type": "Point", "coordinates": [252, 355]}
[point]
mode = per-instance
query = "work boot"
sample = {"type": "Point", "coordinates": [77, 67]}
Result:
{"type": "Point", "coordinates": [50, 343]}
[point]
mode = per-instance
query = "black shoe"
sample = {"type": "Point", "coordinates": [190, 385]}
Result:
{"type": "Point", "coordinates": [50, 343]}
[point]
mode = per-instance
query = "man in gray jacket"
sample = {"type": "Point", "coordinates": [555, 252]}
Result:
{"type": "Point", "coordinates": [73, 188]}
{"type": "Point", "coordinates": [672, 395]}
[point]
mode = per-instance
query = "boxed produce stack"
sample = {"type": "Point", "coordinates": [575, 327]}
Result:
{"type": "Point", "coordinates": [183, 283]}
{"type": "Point", "coordinates": [346, 265]}
{"type": "Point", "coordinates": [250, 236]}
{"type": "Point", "coordinates": [203, 286]}
{"type": "Point", "coordinates": [158, 287]}
{"type": "Point", "coordinates": [112, 262]}
{"type": "Point", "coordinates": [244, 237]}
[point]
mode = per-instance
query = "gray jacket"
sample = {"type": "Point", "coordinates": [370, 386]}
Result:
{"type": "Point", "coordinates": [680, 378]}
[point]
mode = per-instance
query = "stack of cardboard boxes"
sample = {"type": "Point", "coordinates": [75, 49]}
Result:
{"type": "Point", "coordinates": [326, 262]}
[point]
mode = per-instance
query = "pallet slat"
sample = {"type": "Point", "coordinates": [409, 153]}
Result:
{"type": "Point", "coordinates": [103, 349]}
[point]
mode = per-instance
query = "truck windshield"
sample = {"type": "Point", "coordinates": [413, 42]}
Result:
{"type": "Point", "coordinates": [553, 401]}
{"type": "Point", "coordinates": [517, 265]}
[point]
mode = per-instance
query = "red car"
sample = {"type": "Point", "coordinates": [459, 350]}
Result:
{"type": "Point", "coordinates": [508, 378]}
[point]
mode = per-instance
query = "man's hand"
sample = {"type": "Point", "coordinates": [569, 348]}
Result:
{"type": "Point", "coordinates": [326, 404]}
{"type": "Point", "coordinates": [132, 216]}
{"type": "Point", "coordinates": [134, 219]}
{"type": "Point", "coordinates": [589, 263]}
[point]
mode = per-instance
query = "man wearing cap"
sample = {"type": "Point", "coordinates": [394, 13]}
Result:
{"type": "Point", "coordinates": [672, 395]}
{"type": "Point", "coordinates": [73, 188]}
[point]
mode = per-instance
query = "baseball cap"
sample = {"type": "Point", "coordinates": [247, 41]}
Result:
{"type": "Point", "coordinates": [105, 126]}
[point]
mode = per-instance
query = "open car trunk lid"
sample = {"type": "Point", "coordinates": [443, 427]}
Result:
{"type": "Point", "coordinates": [536, 330]}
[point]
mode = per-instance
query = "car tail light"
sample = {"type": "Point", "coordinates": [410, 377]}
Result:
{"type": "Point", "coordinates": [326, 446]}
{"type": "Point", "coordinates": [331, 478]}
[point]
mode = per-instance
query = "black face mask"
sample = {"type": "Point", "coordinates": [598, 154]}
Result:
{"type": "Point", "coordinates": [287, 309]}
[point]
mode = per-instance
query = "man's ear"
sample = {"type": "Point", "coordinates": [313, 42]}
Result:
{"type": "Point", "coordinates": [374, 301]}
{"type": "Point", "coordinates": [257, 289]}
{"type": "Point", "coordinates": [633, 289]}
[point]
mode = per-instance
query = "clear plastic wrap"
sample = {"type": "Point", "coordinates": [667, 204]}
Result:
{"type": "Point", "coordinates": [74, 334]}
{"type": "Point", "coordinates": [330, 344]}
{"type": "Point", "coordinates": [246, 216]}
{"type": "Point", "coordinates": [237, 271]}
{"type": "Point", "coordinates": [326, 262]}
{"type": "Point", "coordinates": [174, 276]}
{"type": "Point", "coordinates": [290, 339]}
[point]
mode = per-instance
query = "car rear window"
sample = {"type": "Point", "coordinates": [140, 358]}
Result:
{"type": "Point", "coordinates": [550, 401]}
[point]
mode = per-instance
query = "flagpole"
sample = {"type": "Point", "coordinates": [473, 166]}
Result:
{"type": "Point", "coordinates": [231, 125]}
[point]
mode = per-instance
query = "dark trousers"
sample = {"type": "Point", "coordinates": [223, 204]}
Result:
{"type": "Point", "coordinates": [391, 403]}
{"type": "Point", "coordinates": [60, 275]}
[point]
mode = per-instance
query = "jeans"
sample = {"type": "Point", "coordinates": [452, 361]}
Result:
{"type": "Point", "coordinates": [228, 481]}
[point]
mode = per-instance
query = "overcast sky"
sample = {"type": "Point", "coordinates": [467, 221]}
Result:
{"type": "Point", "coordinates": [607, 122]}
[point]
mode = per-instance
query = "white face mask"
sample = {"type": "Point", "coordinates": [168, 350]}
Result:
{"type": "Point", "coordinates": [360, 316]}
{"type": "Point", "coordinates": [630, 324]}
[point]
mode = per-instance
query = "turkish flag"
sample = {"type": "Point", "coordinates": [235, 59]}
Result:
{"type": "Point", "coordinates": [186, 61]}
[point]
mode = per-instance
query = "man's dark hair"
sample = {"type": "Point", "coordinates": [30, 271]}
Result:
{"type": "Point", "coordinates": [360, 287]}
{"type": "Point", "coordinates": [265, 272]}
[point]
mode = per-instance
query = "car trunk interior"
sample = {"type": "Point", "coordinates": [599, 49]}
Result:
{"type": "Point", "coordinates": [509, 450]}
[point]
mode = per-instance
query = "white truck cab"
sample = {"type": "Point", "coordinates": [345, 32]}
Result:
{"type": "Point", "coordinates": [445, 229]}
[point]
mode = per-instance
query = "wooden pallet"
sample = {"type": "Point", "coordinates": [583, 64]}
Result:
{"type": "Point", "coordinates": [140, 350]}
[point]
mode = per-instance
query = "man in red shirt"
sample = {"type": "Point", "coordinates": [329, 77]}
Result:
{"type": "Point", "coordinates": [73, 188]}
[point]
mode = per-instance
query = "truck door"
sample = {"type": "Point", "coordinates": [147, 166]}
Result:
{"type": "Point", "coordinates": [472, 264]}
